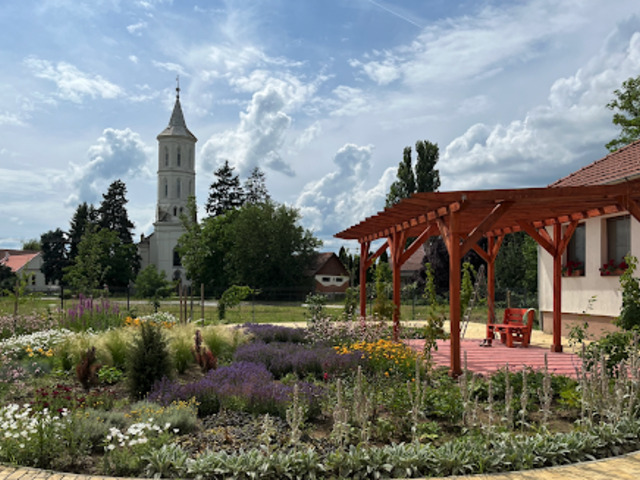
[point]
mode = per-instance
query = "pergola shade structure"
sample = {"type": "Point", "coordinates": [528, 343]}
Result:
{"type": "Point", "coordinates": [463, 218]}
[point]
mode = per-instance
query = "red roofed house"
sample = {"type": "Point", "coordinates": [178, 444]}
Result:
{"type": "Point", "coordinates": [330, 275]}
{"type": "Point", "coordinates": [25, 262]}
{"type": "Point", "coordinates": [591, 264]}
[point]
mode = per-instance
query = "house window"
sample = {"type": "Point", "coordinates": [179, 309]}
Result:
{"type": "Point", "coordinates": [576, 252]}
{"type": "Point", "coordinates": [326, 279]}
{"type": "Point", "coordinates": [618, 238]}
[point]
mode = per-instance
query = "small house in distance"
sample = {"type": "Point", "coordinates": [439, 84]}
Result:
{"type": "Point", "coordinates": [26, 263]}
{"type": "Point", "coordinates": [330, 277]}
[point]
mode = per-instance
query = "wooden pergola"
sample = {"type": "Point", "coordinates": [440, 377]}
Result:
{"type": "Point", "coordinates": [463, 218]}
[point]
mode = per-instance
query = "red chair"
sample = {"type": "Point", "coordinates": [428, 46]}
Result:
{"type": "Point", "coordinates": [515, 327]}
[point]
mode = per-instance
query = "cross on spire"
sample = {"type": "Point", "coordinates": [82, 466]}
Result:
{"type": "Point", "coordinates": [177, 86]}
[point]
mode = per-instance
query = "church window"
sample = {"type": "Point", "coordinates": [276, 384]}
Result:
{"type": "Point", "coordinates": [178, 188]}
{"type": "Point", "coordinates": [175, 211]}
{"type": "Point", "coordinates": [190, 187]}
{"type": "Point", "coordinates": [166, 157]}
{"type": "Point", "coordinates": [166, 188]}
{"type": "Point", "coordinates": [176, 259]}
{"type": "Point", "coordinates": [178, 156]}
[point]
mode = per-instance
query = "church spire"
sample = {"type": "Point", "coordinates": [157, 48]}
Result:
{"type": "Point", "coordinates": [177, 126]}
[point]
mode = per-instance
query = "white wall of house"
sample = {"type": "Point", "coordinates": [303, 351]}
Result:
{"type": "Point", "coordinates": [593, 298]}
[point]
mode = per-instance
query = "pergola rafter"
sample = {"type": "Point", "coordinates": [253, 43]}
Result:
{"type": "Point", "coordinates": [463, 218]}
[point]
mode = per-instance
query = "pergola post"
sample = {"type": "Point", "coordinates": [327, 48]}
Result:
{"type": "Point", "coordinates": [491, 283]}
{"type": "Point", "coordinates": [364, 254]}
{"type": "Point", "coordinates": [396, 246]}
{"type": "Point", "coordinates": [454, 294]}
{"type": "Point", "coordinates": [556, 346]}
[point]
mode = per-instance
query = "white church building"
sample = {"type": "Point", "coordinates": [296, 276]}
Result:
{"type": "Point", "coordinates": [176, 183]}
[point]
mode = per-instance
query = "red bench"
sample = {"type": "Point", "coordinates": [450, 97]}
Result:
{"type": "Point", "coordinates": [515, 327]}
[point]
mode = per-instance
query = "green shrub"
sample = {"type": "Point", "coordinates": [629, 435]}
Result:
{"type": "Point", "coordinates": [180, 346]}
{"type": "Point", "coordinates": [148, 360]}
{"type": "Point", "coordinates": [116, 342]}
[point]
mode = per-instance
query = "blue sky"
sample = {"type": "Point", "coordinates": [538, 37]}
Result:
{"type": "Point", "coordinates": [322, 95]}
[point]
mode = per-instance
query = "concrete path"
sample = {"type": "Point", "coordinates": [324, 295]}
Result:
{"type": "Point", "coordinates": [625, 467]}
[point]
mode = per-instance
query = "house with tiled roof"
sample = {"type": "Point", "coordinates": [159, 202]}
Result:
{"type": "Point", "coordinates": [594, 258]}
{"type": "Point", "coordinates": [329, 274]}
{"type": "Point", "coordinates": [25, 263]}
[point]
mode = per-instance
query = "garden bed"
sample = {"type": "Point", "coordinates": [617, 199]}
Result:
{"type": "Point", "coordinates": [334, 400]}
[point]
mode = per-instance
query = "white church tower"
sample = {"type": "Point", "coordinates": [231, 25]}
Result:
{"type": "Point", "coordinates": [176, 183]}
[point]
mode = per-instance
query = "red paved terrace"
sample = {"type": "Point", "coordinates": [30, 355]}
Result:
{"type": "Point", "coordinates": [486, 360]}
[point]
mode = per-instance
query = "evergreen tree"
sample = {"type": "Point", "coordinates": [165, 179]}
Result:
{"type": "Point", "coordinates": [112, 213]}
{"type": "Point", "coordinates": [627, 116]}
{"type": "Point", "coordinates": [255, 188]}
{"type": "Point", "coordinates": [54, 255]}
{"type": "Point", "coordinates": [84, 216]}
{"type": "Point", "coordinates": [225, 193]}
{"type": "Point", "coordinates": [113, 216]}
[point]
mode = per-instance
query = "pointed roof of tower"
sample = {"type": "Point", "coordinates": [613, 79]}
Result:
{"type": "Point", "coordinates": [177, 126]}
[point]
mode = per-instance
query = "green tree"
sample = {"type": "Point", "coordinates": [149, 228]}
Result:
{"type": "Point", "coordinates": [112, 215]}
{"type": "Point", "coordinates": [267, 247]}
{"type": "Point", "coordinates": [405, 185]}
{"type": "Point", "coordinates": [32, 244]}
{"type": "Point", "coordinates": [54, 255]}
{"type": "Point", "coordinates": [7, 279]}
{"type": "Point", "coordinates": [255, 187]}
{"type": "Point", "coordinates": [516, 261]}
{"type": "Point", "coordinates": [152, 284]}
{"type": "Point", "coordinates": [627, 113]}
{"type": "Point", "coordinates": [427, 177]}
{"type": "Point", "coordinates": [84, 216]}
{"type": "Point", "coordinates": [102, 259]}
{"type": "Point", "coordinates": [225, 193]}
{"type": "Point", "coordinates": [202, 249]}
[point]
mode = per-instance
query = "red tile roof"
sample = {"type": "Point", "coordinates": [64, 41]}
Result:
{"type": "Point", "coordinates": [16, 260]}
{"type": "Point", "coordinates": [618, 166]}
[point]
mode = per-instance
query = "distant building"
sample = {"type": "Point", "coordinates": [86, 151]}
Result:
{"type": "Point", "coordinates": [330, 275]}
{"type": "Point", "coordinates": [26, 263]}
{"type": "Point", "coordinates": [176, 183]}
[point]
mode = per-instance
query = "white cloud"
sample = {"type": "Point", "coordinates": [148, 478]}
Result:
{"type": "Point", "coordinates": [343, 197]}
{"type": "Point", "coordinates": [170, 67]}
{"type": "Point", "coordinates": [136, 28]}
{"type": "Point", "coordinates": [73, 84]}
{"type": "Point", "coordinates": [118, 154]}
{"type": "Point", "coordinates": [11, 119]}
{"type": "Point", "coordinates": [475, 46]}
{"type": "Point", "coordinates": [259, 138]}
{"type": "Point", "coordinates": [550, 141]}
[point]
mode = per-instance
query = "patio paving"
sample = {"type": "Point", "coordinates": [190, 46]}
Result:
{"type": "Point", "coordinates": [487, 360]}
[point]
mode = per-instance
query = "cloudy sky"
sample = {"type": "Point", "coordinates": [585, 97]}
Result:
{"type": "Point", "coordinates": [322, 95]}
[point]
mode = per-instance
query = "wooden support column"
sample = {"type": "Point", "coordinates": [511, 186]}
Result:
{"type": "Point", "coordinates": [396, 245]}
{"type": "Point", "coordinates": [364, 253]}
{"type": "Point", "coordinates": [451, 238]}
{"type": "Point", "coordinates": [556, 248]}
